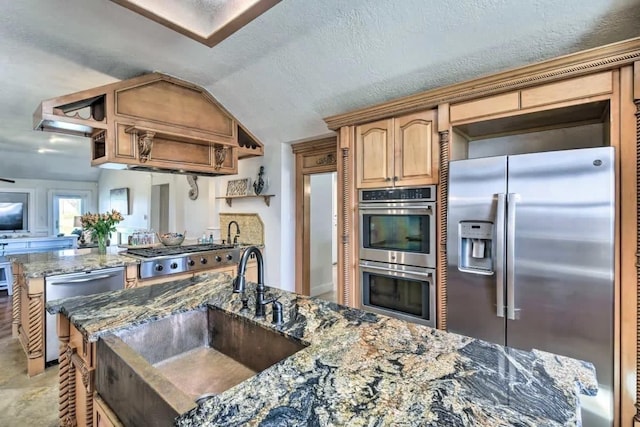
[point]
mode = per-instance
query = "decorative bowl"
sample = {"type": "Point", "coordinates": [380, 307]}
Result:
{"type": "Point", "coordinates": [172, 239]}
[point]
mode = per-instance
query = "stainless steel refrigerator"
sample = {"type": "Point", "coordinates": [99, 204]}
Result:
{"type": "Point", "coordinates": [530, 250]}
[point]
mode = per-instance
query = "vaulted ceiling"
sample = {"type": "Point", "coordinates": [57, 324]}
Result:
{"type": "Point", "coordinates": [284, 71]}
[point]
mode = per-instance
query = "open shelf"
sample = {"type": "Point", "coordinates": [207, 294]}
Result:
{"type": "Point", "coordinates": [266, 197]}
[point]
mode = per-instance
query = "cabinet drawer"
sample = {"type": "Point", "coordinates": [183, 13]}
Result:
{"type": "Point", "coordinates": [581, 87]}
{"type": "Point", "coordinates": [485, 106]}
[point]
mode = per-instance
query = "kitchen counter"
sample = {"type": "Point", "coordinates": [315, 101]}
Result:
{"type": "Point", "coordinates": [42, 264]}
{"type": "Point", "coordinates": [359, 369]}
{"type": "Point", "coordinates": [28, 321]}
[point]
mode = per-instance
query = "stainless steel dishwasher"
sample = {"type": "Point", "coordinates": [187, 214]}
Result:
{"type": "Point", "coordinates": [73, 285]}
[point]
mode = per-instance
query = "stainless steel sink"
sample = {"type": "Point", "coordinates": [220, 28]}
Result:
{"type": "Point", "coordinates": [152, 373]}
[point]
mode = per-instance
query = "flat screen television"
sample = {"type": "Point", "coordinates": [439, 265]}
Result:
{"type": "Point", "coordinates": [14, 211]}
{"type": "Point", "coordinates": [11, 216]}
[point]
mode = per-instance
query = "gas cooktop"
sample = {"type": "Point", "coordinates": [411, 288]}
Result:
{"type": "Point", "coordinates": [162, 261]}
{"type": "Point", "coordinates": [175, 250]}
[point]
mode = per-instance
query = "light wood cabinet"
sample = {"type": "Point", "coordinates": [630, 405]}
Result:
{"type": "Point", "coordinates": [401, 151]}
{"type": "Point", "coordinates": [103, 416]}
{"type": "Point", "coordinates": [543, 97]}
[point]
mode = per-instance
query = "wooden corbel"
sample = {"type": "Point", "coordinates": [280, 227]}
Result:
{"type": "Point", "coordinates": [220, 153]}
{"type": "Point", "coordinates": [145, 142]}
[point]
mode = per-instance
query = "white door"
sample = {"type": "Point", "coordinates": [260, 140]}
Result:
{"type": "Point", "coordinates": [65, 211]}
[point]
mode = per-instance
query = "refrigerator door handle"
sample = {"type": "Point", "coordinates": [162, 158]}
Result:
{"type": "Point", "coordinates": [512, 311]}
{"type": "Point", "coordinates": [499, 260]}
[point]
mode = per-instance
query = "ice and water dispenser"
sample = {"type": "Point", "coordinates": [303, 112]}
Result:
{"type": "Point", "coordinates": [476, 247]}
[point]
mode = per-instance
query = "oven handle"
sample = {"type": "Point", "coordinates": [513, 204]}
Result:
{"type": "Point", "coordinates": [426, 208]}
{"type": "Point", "coordinates": [394, 272]}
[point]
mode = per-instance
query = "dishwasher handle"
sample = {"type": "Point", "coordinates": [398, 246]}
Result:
{"type": "Point", "coordinates": [83, 280]}
{"type": "Point", "coordinates": [83, 277]}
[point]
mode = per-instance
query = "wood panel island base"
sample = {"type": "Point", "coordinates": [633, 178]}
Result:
{"type": "Point", "coordinates": [358, 368]}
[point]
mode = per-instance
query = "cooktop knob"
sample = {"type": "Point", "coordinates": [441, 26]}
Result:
{"type": "Point", "coordinates": [229, 257]}
{"type": "Point", "coordinates": [203, 260]}
{"type": "Point", "coordinates": [174, 265]}
{"type": "Point", "coordinates": [159, 267]}
{"type": "Point", "coordinates": [190, 262]}
{"type": "Point", "coordinates": [218, 259]}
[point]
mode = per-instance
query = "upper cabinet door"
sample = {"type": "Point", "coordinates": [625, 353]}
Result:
{"type": "Point", "coordinates": [416, 150]}
{"type": "Point", "coordinates": [374, 154]}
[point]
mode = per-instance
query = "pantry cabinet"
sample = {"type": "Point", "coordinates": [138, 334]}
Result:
{"type": "Point", "coordinates": [400, 151]}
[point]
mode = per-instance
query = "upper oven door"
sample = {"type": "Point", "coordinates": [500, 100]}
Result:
{"type": "Point", "coordinates": [398, 233]}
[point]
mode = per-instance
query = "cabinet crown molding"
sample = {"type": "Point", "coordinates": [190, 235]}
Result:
{"type": "Point", "coordinates": [588, 61]}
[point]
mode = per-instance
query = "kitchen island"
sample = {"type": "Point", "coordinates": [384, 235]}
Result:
{"type": "Point", "coordinates": [29, 271]}
{"type": "Point", "coordinates": [358, 369]}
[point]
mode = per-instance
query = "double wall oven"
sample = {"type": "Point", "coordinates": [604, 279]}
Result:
{"type": "Point", "coordinates": [398, 252]}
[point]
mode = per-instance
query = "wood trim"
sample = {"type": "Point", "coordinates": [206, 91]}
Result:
{"type": "Point", "coordinates": [443, 190]}
{"type": "Point", "coordinates": [637, 261]}
{"type": "Point", "coordinates": [323, 155]}
{"type": "Point", "coordinates": [628, 222]}
{"type": "Point", "coordinates": [614, 140]}
{"type": "Point", "coordinates": [16, 270]}
{"type": "Point", "coordinates": [314, 145]}
{"type": "Point", "coordinates": [66, 408]}
{"type": "Point", "coordinates": [348, 282]}
{"type": "Point", "coordinates": [219, 34]}
{"type": "Point", "coordinates": [602, 58]}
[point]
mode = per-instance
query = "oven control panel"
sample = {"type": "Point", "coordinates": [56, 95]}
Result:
{"type": "Point", "coordinates": [414, 194]}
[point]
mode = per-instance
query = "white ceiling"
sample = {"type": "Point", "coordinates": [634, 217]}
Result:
{"type": "Point", "coordinates": [281, 74]}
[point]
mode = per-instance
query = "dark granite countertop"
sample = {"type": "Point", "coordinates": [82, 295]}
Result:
{"type": "Point", "coordinates": [360, 369]}
{"type": "Point", "coordinates": [42, 264]}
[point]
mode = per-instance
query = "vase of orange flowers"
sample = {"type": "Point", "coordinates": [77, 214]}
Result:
{"type": "Point", "coordinates": [101, 226]}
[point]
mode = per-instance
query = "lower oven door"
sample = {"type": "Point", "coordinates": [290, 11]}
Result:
{"type": "Point", "coordinates": [401, 291]}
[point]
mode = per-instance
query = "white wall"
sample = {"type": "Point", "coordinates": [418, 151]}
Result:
{"type": "Point", "coordinates": [278, 218]}
{"type": "Point", "coordinates": [321, 233]}
{"type": "Point", "coordinates": [192, 216]}
{"type": "Point", "coordinates": [40, 203]}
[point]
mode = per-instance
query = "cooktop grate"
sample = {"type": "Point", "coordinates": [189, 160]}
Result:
{"type": "Point", "coordinates": [176, 250]}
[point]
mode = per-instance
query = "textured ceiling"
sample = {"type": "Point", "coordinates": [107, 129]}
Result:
{"type": "Point", "coordinates": [282, 73]}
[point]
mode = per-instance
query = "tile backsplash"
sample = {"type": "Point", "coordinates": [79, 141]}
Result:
{"type": "Point", "coordinates": [251, 227]}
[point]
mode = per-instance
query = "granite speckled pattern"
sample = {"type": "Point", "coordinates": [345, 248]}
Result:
{"type": "Point", "coordinates": [42, 264]}
{"type": "Point", "coordinates": [360, 369]}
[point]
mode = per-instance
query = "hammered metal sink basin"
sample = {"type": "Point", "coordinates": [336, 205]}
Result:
{"type": "Point", "coordinates": [154, 372]}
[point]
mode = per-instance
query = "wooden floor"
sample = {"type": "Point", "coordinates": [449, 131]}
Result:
{"type": "Point", "coordinates": [24, 401]}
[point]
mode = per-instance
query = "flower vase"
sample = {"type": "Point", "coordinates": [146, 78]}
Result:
{"type": "Point", "coordinates": [102, 244]}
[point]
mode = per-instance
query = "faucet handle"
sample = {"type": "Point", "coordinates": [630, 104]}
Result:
{"type": "Point", "coordinates": [276, 312]}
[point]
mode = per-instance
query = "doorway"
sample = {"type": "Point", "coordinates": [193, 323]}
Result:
{"type": "Point", "coordinates": [323, 230]}
{"type": "Point", "coordinates": [160, 208]}
{"type": "Point", "coordinates": [65, 210]}
{"type": "Point", "coordinates": [316, 219]}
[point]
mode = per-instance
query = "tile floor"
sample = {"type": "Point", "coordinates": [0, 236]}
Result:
{"type": "Point", "coordinates": [24, 401]}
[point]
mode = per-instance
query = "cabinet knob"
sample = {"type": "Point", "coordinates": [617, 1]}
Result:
{"type": "Point", "coordinates": [395, 178]}
{"type": "Point", "coordinates": [387, 179]}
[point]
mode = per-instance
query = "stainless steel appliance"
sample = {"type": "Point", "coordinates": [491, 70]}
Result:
{"type": "Point", "coordinates": [397, 252]}
{"type": "Point", "coordinates": [402, 291]}
{"type": "Point", "coordinates": [72, 285]}
{"type": "Point", "coordinates": [530, 251]}
{"type": "Point", "coordinates": [163, 261]}
{"type": "Point", "coordinates": [398, 226]}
